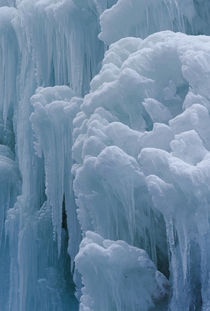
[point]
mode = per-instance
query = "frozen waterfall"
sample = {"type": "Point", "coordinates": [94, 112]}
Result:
{"type": "Point", "coordinates": [104, 155]}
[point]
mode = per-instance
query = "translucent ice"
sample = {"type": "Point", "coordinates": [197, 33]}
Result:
{"type": "Point", "coordinates": [10, 186]}
{"type": "Point", "coordinates": [8, 73]}
{"type": "Point", "coordinates": [110, 137]}
{"type": "Point", "coordinates": [51, 123]}
{"type": "Point", "coordinates": [141, 18]}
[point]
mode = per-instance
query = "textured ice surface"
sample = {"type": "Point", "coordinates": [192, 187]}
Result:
{"type": "Point", "coordinates": [114, 201]}
{"type": "Point", "coordinates": [104, 139]}
{"type": "Point", "coordinates": [52, 28]}
{"type": "Point", "coordinates": [134, 274]}
{"type": "Point", "coordinates": [8, 73]}
{"type": "Point", "coordinates": [54, 111]}
{"type": "Point", "coordinates": [144, 17]}
{"type": "Point", "coordinates": [150, 105]}
{"type": "Point", "coordinates": [9, 189]}
{"type": "Point", "coordinates": [51, 123]}
{"type": "Point", "coordinates": [31, 55]}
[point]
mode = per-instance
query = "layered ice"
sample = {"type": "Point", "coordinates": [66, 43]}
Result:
{"type": "Point", "coordinates": [8, 69]}
{"type": "Point", "coordinates": [51, 29]}
{"type": "Point", "coordinates": [10, 186]}
{"type": "Point", "coordinates": [104, 138]}
{"type": "Point", "coordinates": [186, 219]}
{"type": "Point", "coordinates": [147, 115]}
{"type": "Point", "coordinates": [135, 274]}
{"type": "Point", "coordinates": [51, 124]}
{"type": "Point", "coordinates": [113, 201]}
{"type": "Point", "coordinates": [140, 18]}
{"type": "Point", "coordinates": [30, 50]}
{"type": "Point", "coordinates": [54, 111]}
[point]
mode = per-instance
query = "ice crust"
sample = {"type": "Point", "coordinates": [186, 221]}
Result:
{"type": "Point", "coordinates": [134, 274]}
{"type": "Point", "coordinates": [104, 155]}
{"type": "Point", "coordinates": [143, 134]}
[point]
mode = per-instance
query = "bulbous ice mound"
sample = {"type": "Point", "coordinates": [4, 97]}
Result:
{"type": "Point", "coordinates": [148, 90]}
{"type": "Point", "coordinates": [117, 276]}
{"type": "Point", "coordinates": [141, 144]}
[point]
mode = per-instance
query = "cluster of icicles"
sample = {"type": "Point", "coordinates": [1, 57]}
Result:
{"type": "Point", "coordinates": [104, 155]}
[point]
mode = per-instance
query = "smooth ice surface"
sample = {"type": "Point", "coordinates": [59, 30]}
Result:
{"type": "Point", "coordinates": [104, 155]}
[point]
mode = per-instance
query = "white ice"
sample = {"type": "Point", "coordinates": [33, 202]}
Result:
{"type": "Point", "coordinates": [129, 284]}
{"type": "Point", "coordinates": [104, 139]}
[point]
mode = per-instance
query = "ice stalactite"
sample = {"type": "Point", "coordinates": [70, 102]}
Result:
{"type": "Point", "coordinates": [10, 185]}
{"type": "Point", "coordinates": [107, 142]}
{"type": "Point", "coordinates": [32, 58]}
{"type": "Point", "coordinates": [113, 201]}
{"type": "Point", "coordinates": [189, 16]}
{"type": "Point", "coordinates": [54, 111]}
{"type": "Point", "coordinates": [163, 84]}
{"type": "Point", "coordinates": [58, 56]}
{"type": "Point", "coordinates": [53, 131]}
{"type": "Point", "coordinates": [8, 68]}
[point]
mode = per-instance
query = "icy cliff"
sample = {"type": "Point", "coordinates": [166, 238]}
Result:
{"type": "Point", "coordinates": [104, 155]}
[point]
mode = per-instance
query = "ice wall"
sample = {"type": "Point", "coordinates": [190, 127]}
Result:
{"type": "Point", "coordinates": [10, 186]}
{"type": "Point", "coordinates": [33, 54]}
{"type": "Point", "coordinates": [144, 17]}
{"type": "Point", "coordinates": [107, 144]}
{"type": "Point", "coordinates": [142, 140]}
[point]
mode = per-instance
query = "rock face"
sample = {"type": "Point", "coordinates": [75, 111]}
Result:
{"type": "Point", "coordinates": [104, 155]}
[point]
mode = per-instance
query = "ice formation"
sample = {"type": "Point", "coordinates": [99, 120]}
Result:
{"type": "Point", "coordinates": [135, 273]}
{"type": "Point", "coordinates": [104, 155]}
